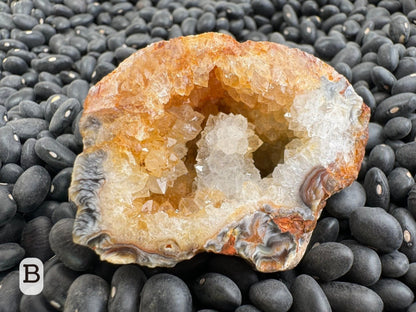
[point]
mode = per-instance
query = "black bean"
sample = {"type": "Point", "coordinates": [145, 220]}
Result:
{"type": "Point", "coordinates": [8, 206]}
{"type": "Point", "coordinates": [342, 204]}
{"type": "Point", "coordinates": [271, 295]}
{"type": "Point", "coordinates": [362, 72]}
{"type": "Point", "coordinates": [64, 116]}
{"type": "Point", "coordinates": [8, 44]}
{"type": "Point", "coordinates": [179, 14]}
{"type": "Point", "coordinates": [165, 292]}
{"type": "Point", "coordinates": [382, 78]}
{"type": "Point", "coordinates": [394, 264]}
{"type": "Point", "coordinates": [328, 261]}
{"type": "Point", "coordinates": [10, 146]}
{"type": "Point", "coordinates": [367, 96]}
{"type": "Point", "coordinates": [308, 31]}
{"type": "Point", "coordinates": [206, 22]}
{"type": "Point", "coordinates": [64, 210]}
{"type": "Point", "coordinates": [81, 19]}
{"type": "Point", "coordinates": [139, 40]}
{"type": "Point", "coordinates": [382, 156]}
{"type": "Point", "coordinates": [101, 70]}
{"type": "Point", "coordinates": [377, 188]}
{"type": "Point", "coordinates": [11, 231]}
{"type": "Point", "coordinates": [30, 109]}
{"type": "Point", "coordinates": [395, 294]}
{"type": "Point", "coordinates": [408, 225]}
{"type": "Point", "coordinates": [397, 128]}
{"type": "Point", "coordinates": [31, 188]}
{"type": "Point", "coordinates": [10, 255]}
{"type": "Point", "coordinates": [405, 84]}
{"type": "Point", "coordinates": [97, 45]}
{"type": "Point", "coordinates": [75, 257]}
{"type": "Point", "coordinates": [60, 184]}
{"type": "Point", "coordinates": [121, 54]}
{"type": "Point", "coordinates": [9, 173]}
{"type": "Point", "coordinates": [28, 156]}
{"type": "Point", "coordinates": [36, 303]}
{"type": "Point", "coordinates": [14, 65]}
{"type": "Point", "coordinates": [328, 46]}
{"type": "Point", "coordinates": [345, 70]}
{"type": "Point", "coordinates": [344, 297]}
{"type": "Point", "coordinates": [57, 281]}
{"type": "Point", "coordinates": [242, 308]}
{"type": "Point", "coordinates": [126, 285]}
{"type": "Point", "coordinates": [162, 18]}
{"type": "Point", "coordinates": [10, 293]}
{"type": "Point", "coordinates": [54, 153]}
{"type": "Point", "coordinates": [217, 291]}
{"type": "Point", "coordinates": [405, 156]}
{"type": "Point", "coordinates": [374, 43]}
{"type": "Point", "coordinates": [407, 66]}
{"type": "Point", "coordinates": [86, 66]}
{"type": "Point", "coordinates": [410, 277]}
{"type": "Point", "coordinates": [400, 182]}
{"type": "Point", "coordinates": [308, 295]}
{"type": "Point", "coordinates": [388, 57]}
{"type": "Point", "coordinates": [71, 142]}
{"type": "Point", "coordinates": [399, 29]}
{"type": "Point", "coordinates": [326, 230]}
{"type": "Point", "coordinates": [350, 28]}
{"type": "Point", "coordinates": [26, 128]}
{"type": "Point", "coordinates": [396, 105]}
{"type": "Point", "coordinates": [234, 268]}
{"type": "Point", "coordinates": [87, 293]}
{"type": "Point", "coordinates": [375, 227]}
{"type": "Point", "coordinates": [188, 25]}
{"type": "Point", "coordinates": [12, 81]}
{"type": "Point", "coordinates": [22, 7]}
{"type": "Point", "coordinates": [35, 238]}
{"type": "Point", "coordinates": [366, 267]}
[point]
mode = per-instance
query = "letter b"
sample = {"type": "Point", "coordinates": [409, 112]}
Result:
{"type": "Point", "coordinates": [31, 276]}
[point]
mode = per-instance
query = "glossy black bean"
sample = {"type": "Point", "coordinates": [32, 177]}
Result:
{"type": "Point", "coordinates": [328, 261]}
{"type": "Point", "coordinates": [10, 146]}
{"type": "Point", "coordinates": [87, 293]}
{"type": "Point", "coordinates": [138, 40]}
{"type": "Point", "coordinates": [206, 22]}
{"type": "Point", "coordinates": [8, 206]}
{"type": "Point", "coordinates": [375, 227]}
{"type": "Point", "coordinates": [345, 297]}
{"type": "Point", "coordinates": [308, 295]}
{"type": "Point", "coordinates": [10, 172]}
{"type": "Point", "coordinates": [64, 116]}
{"type": "Point", "coordinates": [394, 264]}
{"type": "Point", "coordinates": [408, 225]}
{"type": "Point", "coordinates": [308, 32]}
{"type": "Point", "coordinates": [75, 257]}
{"type": "Point", "coordinates": [345, 70]}
{"type": "Point", "coordinates": [396, 105]}
{"type": "Point", "coordinates": [350, 28]}
{"type": "Point", "coordinates": [26, 128]}
{"type": "Point", "coordinates": [10, 293]}
{"type": "Point", "coordinates": [22, 7]}
{"type": "Point", "coordinates": [382, 78]}
{"type": "Point", "coordinates": [367, 96]}
{"type": "Point", "coordinates": [31, 188]}
{"type": "Point", "coordinates": [54, 153]}
{"type": "Point", "coordinates": [126, 285]}
{"type": "Point", "coordinates": [188, 25]}
{"type": "Point", "coordinates": [376, 188]}
{"type": "Point", "coordinates": [395, 294]}
{"type": "Point", "coordinates": [404, 156]}
{"type": "Point", "coordinates": [71, 142]}
{"type": "Point", "coordinates": [362, 71]}
{"type": "Point", "coordinates": [271, 295]}
{"type": "Point", "coordinates": [382, 156]}
{"type": "Point", "coordinates": [400, 182]}
{"type": "Point", "coordinates": [10, 255]}
{"type": "Point", "coordinates": [165, 292]}
{"type": "Point", "coordinates": [410, 277]}
{"type": "Point", "coordinates": [342, 204]}
{"type": "Point", "coordinates": [12, 81]}
{"type": "Point", "coordinates": [52, 63]}
{"type": "Point", "coordinates": [388, 57]}
{"type": "Point", "coordinates": [35, 238]}
{"type": "Point", "coordinates": [7, 44]}
{"type": "Point", "coordinates": [11, 231]}
{"type": "Point", "coordinates": [101, 70]}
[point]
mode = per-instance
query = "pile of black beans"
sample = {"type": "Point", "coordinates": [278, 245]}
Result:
{"type": "Point", "coordinates": [362, 256]}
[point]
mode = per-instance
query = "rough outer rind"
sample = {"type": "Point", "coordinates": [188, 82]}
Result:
{"type": "Point", "coordinates": [270, 236]}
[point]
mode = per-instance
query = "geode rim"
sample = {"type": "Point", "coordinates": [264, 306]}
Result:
{"type": "Point", "coordinates": [270, 233]}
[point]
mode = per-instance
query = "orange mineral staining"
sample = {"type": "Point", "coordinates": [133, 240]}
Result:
{"type": "Point", "coordinates": [202, 143]}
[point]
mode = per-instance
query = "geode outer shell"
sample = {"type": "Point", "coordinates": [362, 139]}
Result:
{"type": "Point", "coordinates": [167, 169]}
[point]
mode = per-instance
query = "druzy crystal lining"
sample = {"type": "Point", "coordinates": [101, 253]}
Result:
{"type": "Point", "coordinates": [204, 144]}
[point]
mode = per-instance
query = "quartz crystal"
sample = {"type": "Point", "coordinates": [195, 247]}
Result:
{"type": "Point", "coordinates": [202, 143]}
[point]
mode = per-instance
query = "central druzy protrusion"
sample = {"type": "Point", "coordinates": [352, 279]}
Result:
{"type": "Point", "coordinates": [225, 161]}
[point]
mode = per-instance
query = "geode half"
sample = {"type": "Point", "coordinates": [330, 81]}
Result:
{"type": "Point", "coordinates": [202, 143]}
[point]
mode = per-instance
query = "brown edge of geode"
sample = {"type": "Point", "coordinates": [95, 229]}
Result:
{"type": "Point", "coordinates": [318, 186]}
